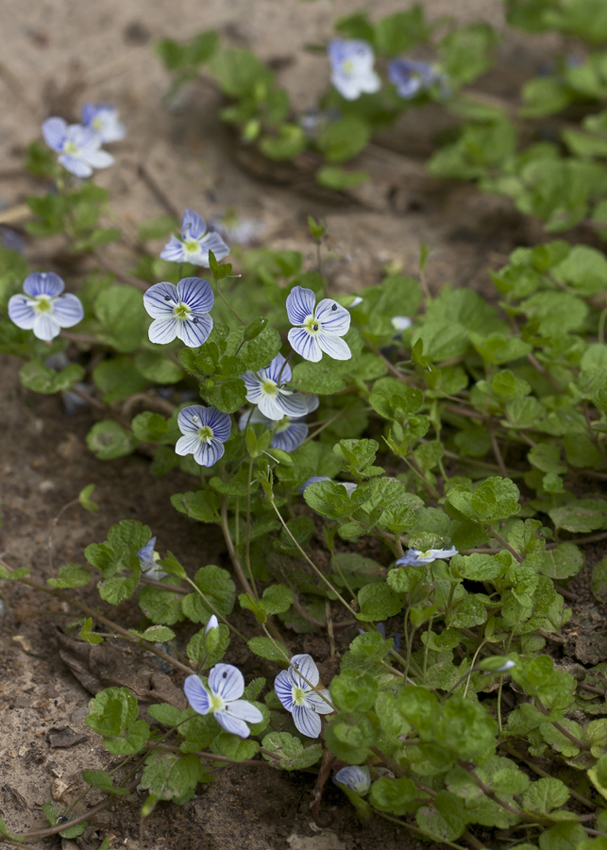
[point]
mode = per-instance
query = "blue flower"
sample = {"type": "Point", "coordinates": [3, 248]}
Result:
{"type": "Point", "coordinates": [409, 77]}
{"type": "Point", "coordinates": [148, 561]}
{"type": "Point", "coordinates": [289, 433]}
{"type": "Point", "coordinates": [204, 430]}
{"type": "Point", "coordinates": [102, 118]}
{"type": "Point", "coordinates": [195, 243]}
{"type": "Point", "coordinates": [180, 311]}
{"type": "Point", "coordinates": [267, 389]}
{"type": "Point", "coordinates": [222, 699]}
{"type": "Point", "coordinates": [11, 240]}
{"type": "Point", "coordinates": [321, 326]}
{"type": "Point", "coordinates": [355, 778]}
{"type": "Point", "coordinates": [352, 68]}
{"type": "Point", "coordinates": [45, 308]}
{"type": "Point", "coordinates": [297, 696]}
{"type": "Point", "coordinates": [349, 485]}
{"type": "Point", "coordinates": [78, 146]}
{"type": "Point", "coordinates": [415, 558]}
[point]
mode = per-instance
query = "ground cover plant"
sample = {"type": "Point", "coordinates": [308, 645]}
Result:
{"type": "Point", "coordinates": [465, 436]}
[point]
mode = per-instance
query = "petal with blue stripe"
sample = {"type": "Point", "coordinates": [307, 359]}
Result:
{"type": "Point", "coordinates": [174, 251]}
{"type": "Point", "coordinates": [68, 310]}
{"type": "Point", "coordinates": [306, 721]}
{"type": "Point", "coordinates": [334, 346]}
{"type": "Point", "coordinates": [197, 293]}
{"type": "Point", "coordinates": [195, 331]}
{"type": "Point", "coordinates": [284, 689]}
{"type": "Point", "coordinates": [221, 423]}
{"type": "Point", "coordinates": [300, 305]}
{"type": "Point", "coordinates": [192, 225]}
{"type": "Point", "coordinates": [306, 666]}
{"type": "Point", "coordinates": [21, 312]}
{"type": "Point", "coordinates": [226, 681]}
{"type": "Point", "coordinates": [196, 694]}
{"type": "Point", "coordinates": [163, 331]}
{"type": "Point", "coordinates": [160, 300]}
{"type": "Point", "coordinates": [43, 283]}
{"type": "Point", "coordinates": [191, 418]}
{"type": "Point", "coordinates": [305, 344]}
{"type": "Point", "coordinates": [208, 453]}
{"type": "Point", "coordinates": [54, 131]}
{"type": "Point", "coordinates": [291, 438]}
{"type": "Point", "coordinates": [333, 317]}
{"type": "Point", "coordinates": [46, 327]}
{"type": "Point", "coordinates": [232, 724]}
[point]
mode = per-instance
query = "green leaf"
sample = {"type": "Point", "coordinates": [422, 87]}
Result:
{"type": "Point", "coordinates": [84, 497]}
{"type": "Point", "coordinates": [290, 141]}
{"type": "Point", "coordinates": [70, 575]}
{"type": "Point", "coordinates": [149, 427]}
{"type": "Point", "coordinates": [202, 505]}
{"type": "Point", "coordinates": [112, 711]}
{"type": "Point", "coordinates": [239, 72]}
{"type": "Point", "coordinates": [580, 516]}
{"type": "Point", "coordinates": [109, 440]}
{"type": "Point", "coordinates": [172, 776]}
{"type": "Point", "coordinates": [562, 836]}
{"type": "Point", "coordinates": [120, 311]}
{"type": "Point", "coordinates": [495, 499]}
{"type": "Point", "coordinates": [197, 652]}
{"type": "Point", "coordinates": [118, 378]}
{"type": "Point", "coordinates": [378, 602]}
{"type": "Point", "coordinates": [445, 820]}
{"type": "Point", "coordinates": [564, 561]}
{"type": "Point", "coordinates": [545, 794]}
{"type": "Point", "coordinates": [102, 780]}
{"type": "Point", "coordinates": [343, 139]}
{"type": "Point", "coordinates": [40, 379]}
{"type": "Point", "coordinates": [290, 750]}
{"type": "Point", "coordinates": [353, 691]}
{"type": "Point", "coordinates": [393, 795]}
{"type": "Point", "coordinates": [277, 599]}
{"type": "Point", "coordinates": [158, 367]}
{"type": "Point", "coordinates": [265, 648]}
{"type": "Point", "coordinates": [339, 179]}
{"type": "Point", "coordinates": [155, 634]}
{"type": "Point", "coordinates": [599, 581]}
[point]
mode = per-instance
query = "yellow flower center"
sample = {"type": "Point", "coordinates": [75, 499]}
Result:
{"type": "Point", "coordinates": [182, 311]}
{"type": "Point", "coordinates": [312, 325]}
{"type": "Point", "coordinates": [347, 66]}
{"type": "Point", "coordinates": [216, 703]}
{"type": "Point", "coordinates": [298, 696]}
{"type": "Point", "coordinates": [205, 433]}
{"type": "Point", "coordinates": [43, 304]}
{"type": "Point", "coordinates": [269, 387]}
{"type": "Point", "coordinates": [69, 147]}
{"type": "Point", "coordinates": [192, 246]}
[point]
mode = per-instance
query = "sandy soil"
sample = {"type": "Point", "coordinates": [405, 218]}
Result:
{"type": "Point", "coordinates": [53, 56]}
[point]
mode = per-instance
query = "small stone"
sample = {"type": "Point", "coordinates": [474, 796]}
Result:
{"type": "Point", "coordinates": [58, 789]}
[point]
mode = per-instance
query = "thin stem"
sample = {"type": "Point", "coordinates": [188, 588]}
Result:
{"type": "Point", "coordinates": [312, 564]}
{"type": "Point", "coordinates": [232, 551]}
{"type": "Point", "coordinates": [230, 308]}
{"type": "Point", "coordinates": [248, 540]}
{"type": "Point", "coordinates": [506, 545]}
{"type": "Point", "coordinates": [498, 455]}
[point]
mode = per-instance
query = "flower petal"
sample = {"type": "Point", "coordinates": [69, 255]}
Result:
{"type": "Point", "coordinates": [192, 225]}
{"type": "Point", "coordinates": [333, 317]}
{"type": "Point", "coordinates": [197, 695]}
{"type": "Point", "coordinates": [315, 701]}
{"type": "Point", "coordinates": [54, 131]}
{"type": "Point", "coordinates": [46, 327]}
{"type": "Point", "coordinates": [97, 158]}
{"type": "Point", "coordinates": [254, 416]}
{"type": "Point", "coordinates": [244, 710]}
{"type": "Point", "coordinates": [68, 310]}
{"type": "Point", "coordinates": [146, 554]}
{"type": "Point", "coordinates": [306, 721]}
{"type": "Point", "coordinates": [251, 382]}
{"type": "Point", "coordinates": [174, 251]}
{"type": "Point", "coordinates": [276, 369]}
{"type": "Point", "coordinates": [195, 331]}
{"type": "Point", "coordinates": [213, 242]}
{"type": "Point", "coordinates": [163, 331]}
{"type": "Point", "coordinates": [191, 419]}
{"type": "Point", "coordinates": [305, 344]}
{"type": "Point", "coordinates": [226, 681]}
{"type": "Point", "coordinates": [232, 724]}
{"type": "Point", "coordinates": [284, 689]}
{"type": "Point", "coordinates": [300, 305]}
{"type": "Point", "coordinates": [43, 283]}
{"type": "Point", "coordinates": [21, 312]}
{"type": "Point", "coordinates": [160, 300]}
{"type": "Point", "coordinates": [292, 404]}
{"type": "Point", "coordinates": [221, 423]}
{"type": "Point", "coordinates": [270, 406]}
{"type": "Point", "coordinates": [306, 666]}
{"type": "Point", "coordinates": [197, 293]}
{"type": "Point", "coordinates": [312, 401]}
{"type": "Point", "coordinates": [187, 444]}
{"type": "Point", "coordinates": [334, 346]}
{"type": "Point", "coordinates": [291, 438]}
{"type": "Point", "coordinates": [208, 453]}
{"type": "Point", "coordinates": [75, 165]}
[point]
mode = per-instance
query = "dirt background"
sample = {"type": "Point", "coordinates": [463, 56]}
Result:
{"type": "Point", "coordinates": [54, 56]}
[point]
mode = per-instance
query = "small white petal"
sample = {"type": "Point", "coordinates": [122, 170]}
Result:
{"type": "Point", "coordinates": [306, 721]}
{"type": "Point", "coordinates": [226, 681]}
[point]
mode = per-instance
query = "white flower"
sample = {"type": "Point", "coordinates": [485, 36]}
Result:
{"type": "Point", "coordinates": [195, 243]}
{"type": "Point", "coordinates": [78, 146]}
{"type": "Point", "coordinates": [205, 430]}
{"type": "Point", "coordinates": [180, 311]}
{"type": "Point", "coordinates": [401, 323]}
{"type": "Point", "coordinates": [103, 119]}
{"type": "Point", "coordinates": [44, 308]}
{"type": "Point", "coordinates": [296, 695]}
{"type": "Point", "coordinates": [415, 558]}
{"type": "Point", "coordinates": [222, 699]}
{"type": "Point", "coordinates": [321, 326]}
{"type": "Point", "coordinates": [352, 68]}
{"type": "Point", "coordinates": [355, 778]}
{"type": "Point", "coordinates": [289, 433]}
{"type": "Point", "coordinates": [267, 389]}
{"type": "Point", "coordinates": [212, 624]}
